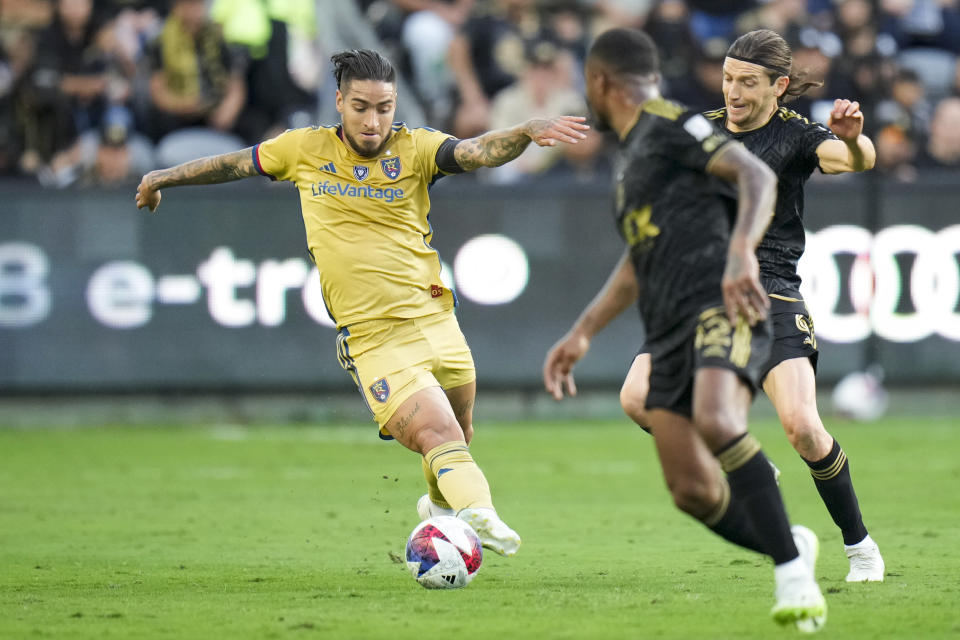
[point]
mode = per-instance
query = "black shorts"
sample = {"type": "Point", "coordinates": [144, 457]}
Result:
{"type": "Point", "coordinates": [793, 335]}
{"type": "Point", "coordinates": [706, 339]}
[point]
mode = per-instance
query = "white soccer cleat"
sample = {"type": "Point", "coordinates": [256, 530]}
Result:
{"type": "Point", "coordinates": [427, 508]}
{"type": "Point", "coordinates": [494, 534]}
{"type": "Point", "coordinates": [808, 545]}
{"type": "Point", "coordinates": [798, 596]}
{"type": "Point", "coordinates": [866, 563]}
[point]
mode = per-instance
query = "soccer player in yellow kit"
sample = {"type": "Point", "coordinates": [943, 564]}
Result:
{"type": "Point", "coordinates": [364, 196]}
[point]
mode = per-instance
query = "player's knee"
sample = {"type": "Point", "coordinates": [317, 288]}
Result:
{"type": "Point", "coordinates": [430, 436]}
{"type": "Point", "coordinates": [693, 496]}
{"type": "Point", "coordinates": [718, 427]}
{"type": "Point", "coordinates": [633, 402]}
{"type": "Point", "coordinates": [802, 428]}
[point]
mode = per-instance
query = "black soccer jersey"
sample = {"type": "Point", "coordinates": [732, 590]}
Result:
{"type": "Point", "coordinates": [675, 217]}
{"type": "Point", "coordinates": [788, 144]}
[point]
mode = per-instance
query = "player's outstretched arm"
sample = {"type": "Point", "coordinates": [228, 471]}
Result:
{"type": "Point", "coordinates": [500, 146]}
{"type": "Point", "coordinates": [853, 151]}
{"type": "Point", "coordinates": [618, 293]}
{"type": "Point", "coordinates": [742, 292]}
{"type": "Point", "coordinates": [225, 167]}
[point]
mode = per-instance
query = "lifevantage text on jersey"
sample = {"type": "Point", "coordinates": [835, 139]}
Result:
{"type": "Point", "coordinates": [388, 194]}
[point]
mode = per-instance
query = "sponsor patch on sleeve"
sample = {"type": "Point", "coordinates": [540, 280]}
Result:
{"type": "Point", "coordinates": [699, 127]}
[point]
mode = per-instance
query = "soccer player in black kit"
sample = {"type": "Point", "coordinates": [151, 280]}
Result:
{"type": "Point", "coordinates": [757, 76]}
{"type": "Point", "coordinates": [691, 247]}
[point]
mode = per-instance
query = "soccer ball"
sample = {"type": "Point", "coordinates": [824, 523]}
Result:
{"type": "Point", "coordinates": [443, 552]}
{"type": "Point", "coordinates": [860, 396]}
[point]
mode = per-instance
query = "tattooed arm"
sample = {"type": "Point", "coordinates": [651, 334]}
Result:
{"type": "Point", "coordinates": [215, 169]}
{"type": "Point", "coordinates": [495, 148]}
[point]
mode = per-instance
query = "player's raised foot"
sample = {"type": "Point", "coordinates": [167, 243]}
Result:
{"type": "Point", "coordinates": [427, 508]}
{"type": "Point", "coordinates": [866, 563]}
{"type": "Point", "coordinates": [799, 600]}
{"type": "Point", "coordinates": [494, 534]}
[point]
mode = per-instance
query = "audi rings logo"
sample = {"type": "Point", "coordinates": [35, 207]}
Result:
{"type": "Point", "coordinates": [876, 282]}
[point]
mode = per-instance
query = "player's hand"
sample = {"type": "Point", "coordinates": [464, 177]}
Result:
{"type": "Point", "coordinates": [558, 365]}
{"type": "Point", "coordinates": [547, 133]}
{"type": "Point", "coordinates": [846, 120]}
{"type": "Point", "coordinates": [742, 292]}
{"type": "Point", "coordinates": [147, 196]}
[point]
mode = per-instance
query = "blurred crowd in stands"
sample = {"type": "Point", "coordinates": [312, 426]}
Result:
{"type": "Point", "coordinates": [98, 92]}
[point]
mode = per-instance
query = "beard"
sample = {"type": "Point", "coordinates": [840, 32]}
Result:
{"type": "Point", "coordinates": [597, 120]}
{"type": "Point", "coordinates": [363, 150]}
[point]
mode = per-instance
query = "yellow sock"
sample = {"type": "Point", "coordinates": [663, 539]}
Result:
{"type": "Point", "coordinates": [458, 477]}
{"type": "Point", "coordinates": [432, 489]}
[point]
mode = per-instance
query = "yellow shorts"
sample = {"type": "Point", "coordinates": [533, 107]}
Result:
{"type": "Point", "coordinates": [390, 360]}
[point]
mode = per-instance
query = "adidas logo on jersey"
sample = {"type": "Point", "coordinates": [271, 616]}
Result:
{"type": "Point", "coordinates": [329, 168]}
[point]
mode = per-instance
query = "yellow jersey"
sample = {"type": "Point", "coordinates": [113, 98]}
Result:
{"type": "Point", "coordinates": [366, 219]}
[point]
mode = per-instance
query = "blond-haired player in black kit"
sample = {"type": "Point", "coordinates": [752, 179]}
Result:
{"type": "Point", "coordinates": [691, 240]}
{"type": "Point", "coordinates": [757, 75]}
{"type": "Point", "coordinates": [364, 198]}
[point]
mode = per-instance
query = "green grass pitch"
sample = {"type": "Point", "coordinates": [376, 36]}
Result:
{"type": "Point", "coordinates": [298, 532]}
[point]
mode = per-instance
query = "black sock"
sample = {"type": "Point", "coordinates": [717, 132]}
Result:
{"type": "Point", "coordinates": [832, 477]}
{"type": "Point", "coordinates": [731, 523]}
{"type": "Point", "coordinates": [754, 493]}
